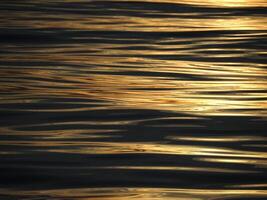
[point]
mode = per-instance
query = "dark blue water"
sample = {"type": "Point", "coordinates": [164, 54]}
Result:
{"type": "Point", "coordinates": [133, 100]}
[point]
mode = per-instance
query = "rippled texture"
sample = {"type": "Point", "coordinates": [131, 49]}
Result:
{"type": "Point", "coordinates": [139, 99]}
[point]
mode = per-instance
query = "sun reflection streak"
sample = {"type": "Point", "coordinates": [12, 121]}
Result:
{"type": "Point", "coordinates": [144, 193]}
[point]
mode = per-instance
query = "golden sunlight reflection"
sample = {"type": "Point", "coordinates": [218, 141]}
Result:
{"type": "Point", "coordinates": [171, 22]}
{"type": "Point", "coordinates": [143, 193]}
{"type": "Point", "coordinates": [152, 148]}
{"type": "Point", "coordinates": [221, 3]}
{"type": "Point", "coordinates": [157, 24]}
{"type": "Point", "coordinates": [221, 138]}
{"type": "Point", "coordinates": [236, 3]}
{"type": "Point", "coordinates": [257, 162]}
{"type": "Point", "coordinates": [228, 91]}
{"type": "Point", "coordinates": [179, 168]}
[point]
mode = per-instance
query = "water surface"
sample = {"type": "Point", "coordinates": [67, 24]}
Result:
{"type": "Point", "coordinates": [139, 99]}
